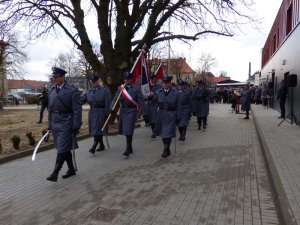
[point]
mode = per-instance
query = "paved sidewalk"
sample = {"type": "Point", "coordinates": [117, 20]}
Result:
{"type": "Point", "coordinates": [218, 176]}
{"type": "Point", "coordinates": [282, 150]}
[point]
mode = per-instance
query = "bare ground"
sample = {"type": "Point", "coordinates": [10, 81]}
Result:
{"type": "Point", "coordinates": [19, 122]}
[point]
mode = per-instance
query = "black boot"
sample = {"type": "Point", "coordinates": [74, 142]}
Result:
{"type": "Point", "coordinates": [153, 130]}
{"type": "Point", "coordinates": [128, 145]}
{"type": "Point", "coordinates": [101, 146]}
{"type": "Point", "coordinates": [92, 150]}
{"type": "Point", "coordinates": [247, 116]}
{"type": "Point", "coordinates": [166, 151]}
{"type": "Point", "coordinates": [60, 159]}
{"type": "Point", "coordinates": [183, 133]}
{"type": "Point", "coordinates": [71, 170]}
{"type": "Point", "coordinates": [204, 123]}
{"type": "Point", "coordinates": [199, 123]}
{"type": "Point", "coordinates": [180, 132]}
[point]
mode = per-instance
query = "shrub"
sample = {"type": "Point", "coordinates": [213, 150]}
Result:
{"type": "Point", "coordinates": [16, 141]}
{"type": "Point", "coordinates": [31, 138]}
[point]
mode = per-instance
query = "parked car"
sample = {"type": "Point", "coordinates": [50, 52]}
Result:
{"type": "Point", "coordinates": [14, 96]}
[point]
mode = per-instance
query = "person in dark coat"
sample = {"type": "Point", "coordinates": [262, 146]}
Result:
{"type": "Point", "coordinates": [99, 99]}
{"type": "Point", "coordinates": [246, 100]}
{"type": "Point", "coordinates": [200, 97]}
{"type": "Point", "coordinates": [43, 104]}
{"type": "Point", "coordinates": [152, 105]}
{"type": "Point", "coordinates": [168, 115]}
{"type": "Point", "coordinates": [131, 101]}
{"type": "Point", "coordinates": [281, 97]}
{"type": "Point", "coordinates": [64, 121]}
{"type": "Point", "coordinates": [185, 97]}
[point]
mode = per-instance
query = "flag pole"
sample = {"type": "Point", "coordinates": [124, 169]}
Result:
{"type": "Point", "coordinates": [113, 108]}
{"type": "Point", "coordinates": [136, 61]}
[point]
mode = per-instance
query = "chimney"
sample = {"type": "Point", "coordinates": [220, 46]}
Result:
{"type": "Point", "coordinates": [249, 75]}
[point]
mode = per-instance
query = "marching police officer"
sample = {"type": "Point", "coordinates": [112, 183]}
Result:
{"type": "Point", "coordinates": [130, 102]}
{"type": "Point", "coordinates": [64, 119]}
{"type": "Point", "coordinates": [185, 96]}
{"type": "Point", "coordinates": [99, 99]}
{"type": "Point", "coordinates": [44, 104]}
{"type": "Point", "coordinates": [200, 97]}
{"type": "Point", "coordinates": [246, 100]}
{"type": "Point", "coordinates": [168, 115]}
{"type": "Point", "coordinates": [152, 105]}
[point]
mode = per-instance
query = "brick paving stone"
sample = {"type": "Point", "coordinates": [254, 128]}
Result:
{"type": "Point", "coordinates": [217, 176]}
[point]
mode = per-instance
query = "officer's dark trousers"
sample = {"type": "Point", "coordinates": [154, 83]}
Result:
{"type": "Point", "coordinates": [167, 143]}
{"type": "Point", "coordinates": [182, 131]}
{"type": "Point", "coordinates": [128, 145]}
{"type": "Point", "coordinates": [282, 108]}
{"type": "Point", "coordinates": [43, 107]}
{"type": "Point", "coordinates": [201, 120]}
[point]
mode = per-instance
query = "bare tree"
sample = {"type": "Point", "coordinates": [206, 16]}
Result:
{"type": "Point", "coordinates": [13, 57]}
{"type": "Point", "coordinates": [125, 25]}
{"type": "Point", "coordinates": [206, 62]}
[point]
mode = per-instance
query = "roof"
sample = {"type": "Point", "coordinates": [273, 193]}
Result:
{"type": "Point", "coordinates": [177, 66]}
{"type": "Point", "coordinates": [217, 79]}
{"type": "Point", "coordinates": [25, 84]}
{"type": "Point", "coordinates": [228, 81]}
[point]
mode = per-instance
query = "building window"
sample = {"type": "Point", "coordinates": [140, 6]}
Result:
{"type": "Point", "coordinates": [289, 19]}
{"type": "Point", "coordinates": [274, 42]}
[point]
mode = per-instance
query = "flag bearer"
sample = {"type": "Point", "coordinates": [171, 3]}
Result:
{"type": "Point", "coordinates": [131, 101]}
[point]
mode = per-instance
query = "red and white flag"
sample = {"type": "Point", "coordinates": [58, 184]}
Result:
{"type": "Point", "coordinates": [160, 72]}
{"type": "Point", "coordinates": [140, 72]}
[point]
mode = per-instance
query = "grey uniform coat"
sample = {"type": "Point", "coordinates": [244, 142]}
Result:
{"type": "Point", "coordinates": [185, 98]}
{"type": "Point", "coordinates": [128, 112]}
{"type": "Point", "coordinates": [246, 100]}
{"type": "Point", "coordinates": [99, 100]}
{"type": "Point", "coordinates": [169, 111]}
{"type": "Point", "coordinates": [200, 98]}
{"type": "Point", "coordinates": [152, 105]}
{"type": "Point", "coordinates": [65, 116]}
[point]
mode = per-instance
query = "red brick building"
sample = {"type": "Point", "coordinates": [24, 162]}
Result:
{"type": "Point", "coordinates": [280, 54]}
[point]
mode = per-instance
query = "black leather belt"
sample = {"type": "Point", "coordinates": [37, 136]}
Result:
{"type": "Point", "coordinates": [60, 112]}
{"type": "Point", "coordinates": [97, 106]}
{"type": "Point", "coordinates": [166, 109]}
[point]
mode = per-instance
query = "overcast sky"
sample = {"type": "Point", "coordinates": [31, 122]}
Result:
{"type": "Point", "coordinates": [232, 54]}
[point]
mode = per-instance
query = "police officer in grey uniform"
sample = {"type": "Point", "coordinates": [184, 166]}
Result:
{"type": "Point", "coordinates": [129, 109]}
{"type": "Point", "coordinates": [246, 100]}
{"type": "Point", "coordinates": [64, 119]}
{"type": "Point", "coordinates": [168, 115]}
{"type": "Point", "coordinates": [99, 99]}
{"type": "Point", "coordinates": [152, 105]}
{"type": "Point", "coordinates": [185, 98]}
{"type": "Point", "coordinates": [200, 97]}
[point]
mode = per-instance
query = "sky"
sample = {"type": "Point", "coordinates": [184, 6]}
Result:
{"type": "Point", "coordinates": [232, 54]}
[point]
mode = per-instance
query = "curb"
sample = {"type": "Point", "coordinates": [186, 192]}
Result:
{"type": "Point", "coordinates": [28, 152]}
{"type": "Point", "coordinates": [285, 212]}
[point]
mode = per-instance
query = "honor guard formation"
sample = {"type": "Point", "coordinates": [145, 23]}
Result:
{"type": "Point", "coordinates": [166, 107]}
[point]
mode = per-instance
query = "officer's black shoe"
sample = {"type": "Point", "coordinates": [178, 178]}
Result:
{"type": "Point", "coordinates": [246, 118]}
{"type": "Point", "coordinates": [39, 122]}
{"type": "Point", "coordinates": [153, 136]}
{"type": "Point", "coordinates": [204, 126]}
{"type": "Point", "coordinates": [92, 150]}
{"type": "Point", "coordinates": [199, 127]}
{"type": "Point", "coordinates": [68, 174]}
{"type": "Point", "coordinates": [52, 177]}
{"type": "Point", "coordinates": [101, 148]}
{"type": "Point", "coordinates": [126, 153]}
